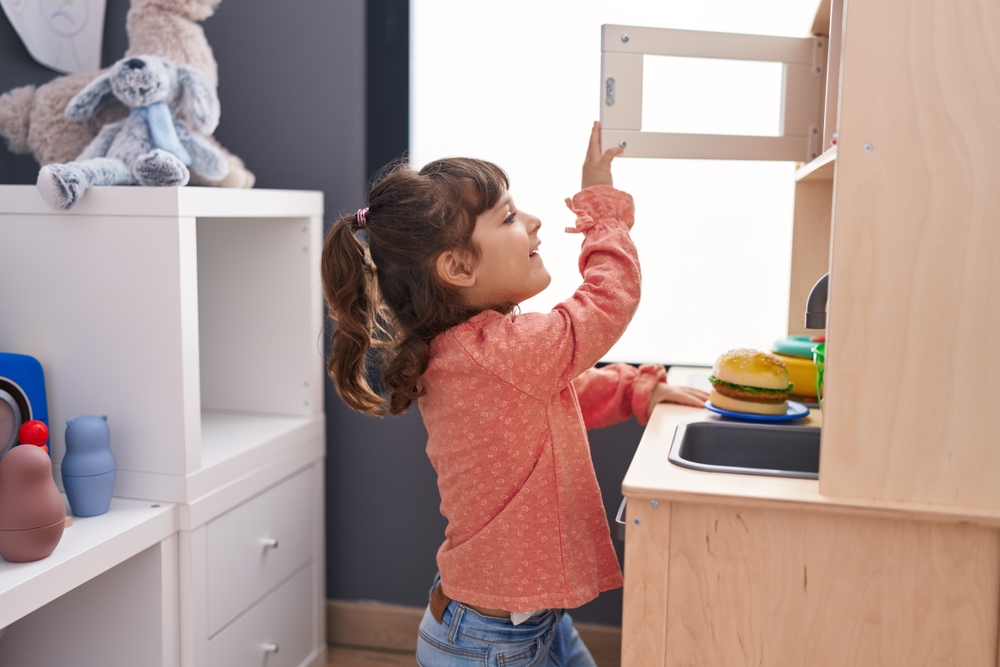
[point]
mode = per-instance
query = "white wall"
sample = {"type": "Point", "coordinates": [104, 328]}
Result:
{"type": "Point", "coordinates": [518, 83]}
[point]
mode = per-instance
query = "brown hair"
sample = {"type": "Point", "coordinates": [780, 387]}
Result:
{"type": "Point", "coordinates": [383, 291]}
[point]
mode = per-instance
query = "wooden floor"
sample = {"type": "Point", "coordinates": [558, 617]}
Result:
{"type": "Point", "coordinates": [338, 656]}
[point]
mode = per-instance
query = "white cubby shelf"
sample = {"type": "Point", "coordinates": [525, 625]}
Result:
{"type": "Point", "coordinates": [88, 548]}
{"type": "Point", "coordinates": [190, 316]}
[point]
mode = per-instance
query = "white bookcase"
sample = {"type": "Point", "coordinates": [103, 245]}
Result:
{"type": "Point", "coordinates": [192, 318]}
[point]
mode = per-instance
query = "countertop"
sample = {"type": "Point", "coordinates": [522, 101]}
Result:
{"type": "Point", "coordinates": [652, 476]}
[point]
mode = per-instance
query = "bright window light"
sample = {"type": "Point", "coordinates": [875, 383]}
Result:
{"type": "Point", "coordinates": [518, 83]}
{"type": "Point", "coordinates": [711, 96]}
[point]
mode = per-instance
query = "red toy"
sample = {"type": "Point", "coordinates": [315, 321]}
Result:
{"type": "Point", "coordinates": [34, 432]}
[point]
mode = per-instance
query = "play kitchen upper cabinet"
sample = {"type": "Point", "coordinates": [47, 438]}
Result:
{"type": "Point", "coordinates": [804, 62]}
{"type": "Point", "coordinates": [903, 213]}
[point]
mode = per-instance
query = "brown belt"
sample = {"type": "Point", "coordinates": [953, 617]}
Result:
{"type": "Point", "coordinates": [439, 601]}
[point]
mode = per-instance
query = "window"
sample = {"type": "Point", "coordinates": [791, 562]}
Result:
{"type": "Point", "coordinates": [519, 84]}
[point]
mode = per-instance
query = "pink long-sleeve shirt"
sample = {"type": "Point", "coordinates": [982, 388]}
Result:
{"type": "Point", "coordinates": [507, 404]}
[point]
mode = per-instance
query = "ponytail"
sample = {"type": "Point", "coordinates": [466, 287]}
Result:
{"type": "Point", "coordinates": [402, 373]}
{"type": "Point", "coordinates": [382, 290]}
{"type": "Point", "coordinates": [355, 310]}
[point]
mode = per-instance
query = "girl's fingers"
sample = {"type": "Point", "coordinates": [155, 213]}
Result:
{"type": "Point", "coordinates": [594, 148]}
{"type": "Point", "coordinates": [611, 154]}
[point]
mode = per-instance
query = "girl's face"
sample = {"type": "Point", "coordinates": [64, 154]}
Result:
{"type": "Point", "coordinates": [510, 268]}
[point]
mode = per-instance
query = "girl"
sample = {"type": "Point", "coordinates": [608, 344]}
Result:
{"type": "Point", "coordinates": [431, 273]}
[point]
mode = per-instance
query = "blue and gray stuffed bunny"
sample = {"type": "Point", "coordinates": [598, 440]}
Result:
{"type": "Point", "coordinates": [151, 146]}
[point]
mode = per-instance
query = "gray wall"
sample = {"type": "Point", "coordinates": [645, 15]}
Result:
{"type": "Point", "coordinates": [292, 86]}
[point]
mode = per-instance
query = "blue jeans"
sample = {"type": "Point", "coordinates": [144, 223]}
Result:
{"type": "Point", "coordinates": [466, 638]}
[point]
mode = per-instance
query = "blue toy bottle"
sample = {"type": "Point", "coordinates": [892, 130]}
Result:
{"type": "Point", "coordinates": [89, 468]}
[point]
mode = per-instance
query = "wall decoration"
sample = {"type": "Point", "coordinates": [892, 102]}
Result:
{"type": "Point", "coordinates": [64, 35]}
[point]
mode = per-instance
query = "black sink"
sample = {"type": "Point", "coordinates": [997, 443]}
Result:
{"type": "Point", "coordinates": [748, 449]}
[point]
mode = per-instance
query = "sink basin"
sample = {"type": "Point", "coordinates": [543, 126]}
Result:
{"type": "Point", "coordinates": [748, 449]}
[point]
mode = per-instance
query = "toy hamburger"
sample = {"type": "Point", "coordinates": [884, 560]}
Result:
{"type": "Point", "coordinates": [750, 381]}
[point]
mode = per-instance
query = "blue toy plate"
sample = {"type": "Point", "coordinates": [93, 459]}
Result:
{"type": "Point", "coordinates": [795, 411]}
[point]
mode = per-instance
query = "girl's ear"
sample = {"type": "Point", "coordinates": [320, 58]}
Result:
{"type": "Point", "coordinates": [93, 96]}
{"type": "Point", "coordinates": [455, 269]}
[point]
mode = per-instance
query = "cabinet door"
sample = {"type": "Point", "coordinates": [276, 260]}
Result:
{"type": "Point", "coordinates": [804, 63]}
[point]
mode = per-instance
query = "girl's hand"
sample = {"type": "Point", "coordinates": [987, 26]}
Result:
{"type": "Point", "coordinates": [597, 165]}
{"type": "Point", "coordinates": [665, 393]}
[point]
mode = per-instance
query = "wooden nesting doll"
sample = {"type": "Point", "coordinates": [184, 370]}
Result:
{"type": "Point", "coordinates": [32, 513]}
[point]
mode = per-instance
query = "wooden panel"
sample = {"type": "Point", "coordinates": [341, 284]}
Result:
{"type": "Point", "coordinates": [604, 642]}
{"type": "Point", "coordinates": [915, 247]}
{"type": "Point", "coordinates": [625, 113]}
{"type": "Point", "coordinates": [644, 607]}
{"type": "Point", "coordinates": [832, 96]}
{"type": "Point", "coordinates": [775, 587]}
{"type": "Point", "coordinates": [802, 102]}
{"type": "Point", "coordinates": [810, 248]}
{"type": "Point", "coordinates": [372, 625]}
{"type": "Point", "coordinates": [804, 59]}
{"type": "Point", "coordinates": [708, 146]}
{"type": "Point", "coordinates": [820, 169]}
{"type": "Point", "coordinates": [704, 44]}
{"type": "Point", "coordinates": [340, 656]}
{"type": "Point", "coordinates": [821, 22]}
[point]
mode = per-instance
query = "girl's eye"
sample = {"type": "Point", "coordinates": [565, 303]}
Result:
{"type": "Point", "coordinates": [510, 218]}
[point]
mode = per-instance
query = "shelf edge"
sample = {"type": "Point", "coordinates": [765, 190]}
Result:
{"type": "Point", "coordinates": [820, 169]}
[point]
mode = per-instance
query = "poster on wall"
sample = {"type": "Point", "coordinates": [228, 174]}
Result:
{"type": "Point", "coordinates": [64, 35]}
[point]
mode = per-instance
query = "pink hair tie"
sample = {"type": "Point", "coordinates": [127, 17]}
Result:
{"type": "Point", "coordinates": [362, 215]}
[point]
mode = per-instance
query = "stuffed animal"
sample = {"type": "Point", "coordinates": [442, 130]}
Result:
{"type": "Point", "coordinates": [33, 120]}
{"type": "Point", "coordinates": [150, 146]}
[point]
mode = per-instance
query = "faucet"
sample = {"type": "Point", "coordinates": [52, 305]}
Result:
{"type": "Point", "coordinates": [816, 304]}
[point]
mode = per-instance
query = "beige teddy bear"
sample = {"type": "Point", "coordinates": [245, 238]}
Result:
{"type": "Point", "coordinates": [33, 120]}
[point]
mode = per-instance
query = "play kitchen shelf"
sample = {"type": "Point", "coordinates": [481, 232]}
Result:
{"type": "Point", "coordinates": [893, 555]}
{"type": "Point", "coordinates": [192, 318]}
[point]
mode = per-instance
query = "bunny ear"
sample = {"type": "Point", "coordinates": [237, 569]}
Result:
{"type": "Point", "coordinates": [90, 99]}
{"type": "Point", "coordinates": [200, 102]}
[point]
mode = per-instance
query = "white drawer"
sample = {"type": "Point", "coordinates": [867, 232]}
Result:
{"type": "Point", "coordinates": [241, 565]}
{"type": "Point", "coordinates": [277, 632]}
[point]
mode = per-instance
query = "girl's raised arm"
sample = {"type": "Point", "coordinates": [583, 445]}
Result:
{"type": "Point", "coordinates": [541, 353]}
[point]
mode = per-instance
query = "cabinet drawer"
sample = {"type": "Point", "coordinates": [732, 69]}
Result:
{"type": "Point", "coordinates": [255, 546]}
{"type": "Point", "coordinates": [277, 632]}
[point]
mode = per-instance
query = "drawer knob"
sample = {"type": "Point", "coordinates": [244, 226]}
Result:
{"type": "Point", "coordinates": [270, 543]}
{"type": "Point", "coordinates": [270, 648]}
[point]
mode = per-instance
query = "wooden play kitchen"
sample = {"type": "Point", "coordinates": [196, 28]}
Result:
{"type": "Point", "coordinates": [891, 556]}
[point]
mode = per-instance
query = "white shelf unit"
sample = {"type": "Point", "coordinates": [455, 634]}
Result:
{"type": "Point", "coordinates": [88, 603]}
{"type": "Point", "coordinates": [192, 318]}
{"type": "Point", "coordinates": [172, 311]}
{"type": "Point", "coordinates": [88, 548]}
